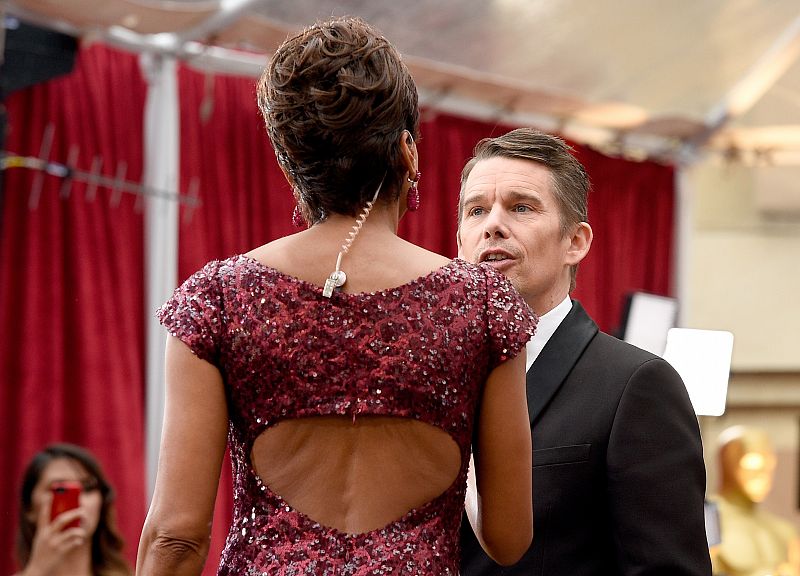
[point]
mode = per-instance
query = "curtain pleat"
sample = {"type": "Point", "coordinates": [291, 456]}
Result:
{"type": "Point", "coordinates": [71, 299]}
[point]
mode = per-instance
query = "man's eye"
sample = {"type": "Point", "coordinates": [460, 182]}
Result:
{"type": "Point", "coordinates": [475, 211]}
{"type": "Point", "coordinates": [521, 208]}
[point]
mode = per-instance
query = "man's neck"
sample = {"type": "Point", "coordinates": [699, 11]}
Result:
{"type": "Point", "coordinates": [543, 303]}
{"type": "Point", "coordinates": [548, 323]}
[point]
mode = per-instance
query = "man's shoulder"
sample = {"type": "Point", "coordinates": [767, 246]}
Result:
{"type": "Point", "coordinates": [618, 356]}
{"type": "Point", "coordinates": [603, 352]}
{"type": "Point", "coordinates": [613, 345]}
{"type": "Point", "coordinates": [623, 366]}
{"type": "Point", "coordinates": [609, 344]}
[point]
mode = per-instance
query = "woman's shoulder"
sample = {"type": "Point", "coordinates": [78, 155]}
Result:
{"type": "Point", "coordinates": [219, 270]}
{"type": "Point", "coordinates": [273, 251]}
{"type": "Point", "coordinates": [210, 283]}
{"type": "Point", "coordinates": [414, 253]}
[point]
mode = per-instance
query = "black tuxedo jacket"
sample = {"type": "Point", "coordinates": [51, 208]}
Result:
{"type": "Point", "coordinates": [618, 473]}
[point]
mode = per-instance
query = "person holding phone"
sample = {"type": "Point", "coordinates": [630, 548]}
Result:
{"type": "Point", "coordinates": [66, 522]}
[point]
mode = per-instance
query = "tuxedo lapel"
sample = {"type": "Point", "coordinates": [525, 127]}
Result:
{"type": "Point", "coordinates": [557, 358]}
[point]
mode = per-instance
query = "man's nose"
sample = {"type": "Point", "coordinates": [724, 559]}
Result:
{"type": "Point", "coordinates": [495, 225]}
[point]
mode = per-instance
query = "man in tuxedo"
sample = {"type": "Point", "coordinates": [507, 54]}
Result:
{"type": "Point", "coordinates": [618, 473]}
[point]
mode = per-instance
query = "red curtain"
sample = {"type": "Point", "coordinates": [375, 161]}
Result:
{"type": "Point", "coordinates": [71, 305]}
{"type": "Point", "coordinates": [631, 211]}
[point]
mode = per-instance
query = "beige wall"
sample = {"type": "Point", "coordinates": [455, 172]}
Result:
{"type": "Point", "coordinates": [742, 269]}
{"type": "Point", "coordinates": [741, 272]}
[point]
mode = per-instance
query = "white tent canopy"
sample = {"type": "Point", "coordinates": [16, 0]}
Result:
{"type": "Point", "coordinates": [642, 77]}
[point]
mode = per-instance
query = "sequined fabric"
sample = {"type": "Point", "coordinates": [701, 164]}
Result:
{"type": "Point", "coordinates": [421, 350]}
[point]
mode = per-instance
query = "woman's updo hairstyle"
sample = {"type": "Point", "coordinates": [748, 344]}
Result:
{"type": "Point", "coordinates": [336, 98]}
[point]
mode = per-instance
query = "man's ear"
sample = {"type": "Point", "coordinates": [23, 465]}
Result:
{"type": "Point", "coordinates": [580, 242]}
{"type": "Point", "coordinates": [458, 242]}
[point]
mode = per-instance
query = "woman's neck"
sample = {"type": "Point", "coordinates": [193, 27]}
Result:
{"type": "Point", "coordinates": [384, 217]}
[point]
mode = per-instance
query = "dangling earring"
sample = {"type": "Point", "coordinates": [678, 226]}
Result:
{"type": "Point", "coordinates": [412, 199]}
{"type": "Point", "coordinates": [297, 218]}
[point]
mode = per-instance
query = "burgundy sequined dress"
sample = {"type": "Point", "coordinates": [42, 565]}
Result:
{"type": "Point", "coordinates": [421, 350]}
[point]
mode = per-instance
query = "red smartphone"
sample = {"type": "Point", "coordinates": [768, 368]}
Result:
{"type": "Point", "coordinates": [66, 496]}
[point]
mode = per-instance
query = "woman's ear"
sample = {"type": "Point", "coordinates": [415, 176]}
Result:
{"type": "Point", "coordinates": [408, 151]}
{"type": "Point", "coordinates": [286, 175]}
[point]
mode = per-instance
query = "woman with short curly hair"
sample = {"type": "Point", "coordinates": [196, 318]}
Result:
{"type": "Point", "coordinates": [349, 369]}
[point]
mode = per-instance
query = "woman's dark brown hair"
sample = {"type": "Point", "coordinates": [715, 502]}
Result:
{"type": "Point", "coordinates": [107, 544]}
{"type": "Point", "coordinates": [336, 98]}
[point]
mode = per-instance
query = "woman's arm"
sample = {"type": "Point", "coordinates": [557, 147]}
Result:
{"type": "Point", "coordinates": [175, 538]}
{"type": "Point", "coordinates": [500, 501]}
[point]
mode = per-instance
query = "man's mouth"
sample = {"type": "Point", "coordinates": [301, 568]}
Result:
{"type": "Point", "coordinates": [495, 256]}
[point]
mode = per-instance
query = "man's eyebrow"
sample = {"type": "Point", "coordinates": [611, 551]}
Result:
{"type": "Point", "coordinates": [514, 194]}
{"type": "Point", "coordinates": [523, 193]}
{"type": "Point", "coordinates": [474, 197]}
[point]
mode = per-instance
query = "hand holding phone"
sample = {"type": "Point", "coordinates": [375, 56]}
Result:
{"type": "Point", "coordinates": [66, 496]}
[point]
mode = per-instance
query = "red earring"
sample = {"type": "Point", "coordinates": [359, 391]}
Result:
{"type": "Point", "coordinates": [297, 218]}
{"type": "Point", "coordinates": [412, 199]}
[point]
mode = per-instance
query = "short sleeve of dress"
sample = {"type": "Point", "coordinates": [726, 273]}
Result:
{"type": "Point", "coordinates": [194, 312]}
{"type": "Point", "coordinates": [511, 322]}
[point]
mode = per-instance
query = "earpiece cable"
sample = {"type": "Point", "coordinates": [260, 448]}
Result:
{"type": "Point", "coordinates": [337, 277]}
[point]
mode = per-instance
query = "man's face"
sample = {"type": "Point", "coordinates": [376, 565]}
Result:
{"type": "Point", "coordinates": [510, 219]}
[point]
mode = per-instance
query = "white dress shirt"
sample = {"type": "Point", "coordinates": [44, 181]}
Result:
{"type": "Point", "coordinates": [544, 329]}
